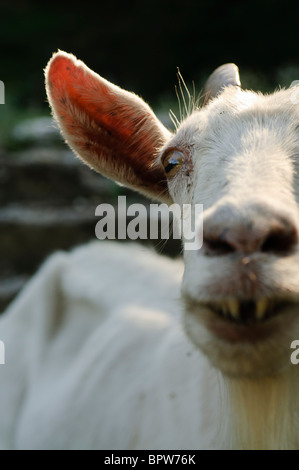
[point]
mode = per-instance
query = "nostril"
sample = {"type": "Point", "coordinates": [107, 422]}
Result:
{"type": "Point", "coordinates": [280, 241]}
{"type": "Point", "coordinates": [216, 246]}
{"type": "Point", "coordinates": [253, 228]}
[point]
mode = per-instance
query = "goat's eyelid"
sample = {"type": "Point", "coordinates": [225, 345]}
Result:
{"type": "Point", "coordinates": [172, 159]}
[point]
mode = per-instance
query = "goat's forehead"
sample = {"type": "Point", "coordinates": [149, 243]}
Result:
{"type": "Point", "coordinates": [243, 111]}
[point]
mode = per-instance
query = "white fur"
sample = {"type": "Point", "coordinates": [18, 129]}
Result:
{"type": "Point", "coordinates": [97, 362]}
{"type": "Point", "coordinates": [96, 354]}
{"type": "Point", "coordinates": [247, 158]}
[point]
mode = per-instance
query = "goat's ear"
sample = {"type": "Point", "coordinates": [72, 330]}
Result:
{"type": "Point", "coordinates": [223, 76]}
{"type": "Point", "coordinates": [115, 132]}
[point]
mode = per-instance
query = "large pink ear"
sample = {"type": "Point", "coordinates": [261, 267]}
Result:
{"type": "Point", "coordinates": [113, 131]}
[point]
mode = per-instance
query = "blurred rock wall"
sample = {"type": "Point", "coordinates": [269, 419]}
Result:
{"type": "Point", "coordinates": [47, 203]}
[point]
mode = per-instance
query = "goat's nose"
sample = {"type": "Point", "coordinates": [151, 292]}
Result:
{"type": "Point", "coordinates": [225, 232]}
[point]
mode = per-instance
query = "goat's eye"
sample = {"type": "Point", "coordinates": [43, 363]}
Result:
{"type": "Point", "coordinates": [172, 160]}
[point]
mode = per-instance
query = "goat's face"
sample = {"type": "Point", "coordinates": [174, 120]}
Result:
{"type": "Point", "coordinates": [238, 157]}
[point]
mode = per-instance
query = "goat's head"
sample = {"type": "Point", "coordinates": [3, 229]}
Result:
{"type": "Point", "coordinates": [238, 156]}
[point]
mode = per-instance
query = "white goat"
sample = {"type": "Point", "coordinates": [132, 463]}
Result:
{"type": "Point", "coordinates": [96, 352]}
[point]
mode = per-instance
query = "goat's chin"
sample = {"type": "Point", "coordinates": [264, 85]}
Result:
{"type": "Point", "coordinates": [242, 351]}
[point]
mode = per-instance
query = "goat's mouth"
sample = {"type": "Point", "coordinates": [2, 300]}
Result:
{"type": "Point", "coordinates": [247, 312]}
{"type": "Point", "coordinates": [247, 320]}
{"type": "Point", "coordinates": [241, 337]}
{"type": "Point", "coordinates": [241, 320]}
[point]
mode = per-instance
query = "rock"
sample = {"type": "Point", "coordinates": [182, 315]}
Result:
{"type": "Point", "coordinates": [37, 130]}
{"type": "Point", "coordinates": [46, 175]}
{"type": "Point", "coordinates": [47, 203]}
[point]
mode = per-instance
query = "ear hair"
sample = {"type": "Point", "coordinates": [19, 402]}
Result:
{"type": "Point", "coordinates": [114, 131]}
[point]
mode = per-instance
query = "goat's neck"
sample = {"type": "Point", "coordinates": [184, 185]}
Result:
{"type": "Point", "coordinates": [262, 414]}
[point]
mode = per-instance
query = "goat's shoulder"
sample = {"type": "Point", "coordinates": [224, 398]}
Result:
{"type": "Point", "coordinates": [98, 321]}
{"type": "Point", "coordinates": [94, 287]}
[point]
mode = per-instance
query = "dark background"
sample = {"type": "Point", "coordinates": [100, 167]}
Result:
{"type": "Point", "coordinates": [139, 44]}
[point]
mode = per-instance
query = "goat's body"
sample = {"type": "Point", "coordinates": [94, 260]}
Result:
{"type": "Point", "coordinates": [96, 358]}
{"type": "Point", "coordinates": [96, 355]}
{"type": "Point", "coordinates": [88, 367]}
